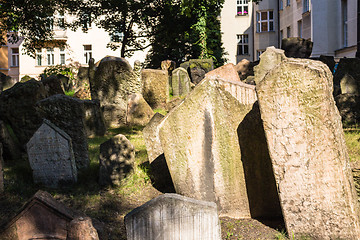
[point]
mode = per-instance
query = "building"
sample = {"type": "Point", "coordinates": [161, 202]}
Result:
{"type": "Point", "coordinates": [80, 48]}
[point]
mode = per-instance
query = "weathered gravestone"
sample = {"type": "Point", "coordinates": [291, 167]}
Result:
{"type": "Point", "coordinates": [180, 81]}
{"type": "Point", "coordinates": [94, 120]}
{"type": "Point", "coordinates": [11, 148]}
{"type": "Point", "coordinates": [68, 114]}
{"type": "Point", "coordinates": [199, 67]}
{"type": "Point", "coordinates": [349, 85]}
{"type": "Point", "coordinates": [227, 72]}
{"type": "Point", "coordinates": [168, 66]}
{"type": "Point", "coordinates": [117, 156]}
{"type": "Point", "coordinates": [6, 82]}
{"type": "Point", "coordinates": [1, 169]}
{"type": "Point", "coordinates": [138, 110]}
{"type": "Point", "coordinates": [53, 84]}
{"type": "Point", "coordinates": [114, 80]}
{"type": "Point", "coordinates": [173, 217]}
{"type": "Point", "coordinates": [17, 108]}
{"type": "Point", "coordinates": [307, 148]}
{"type": "Point", "coordinates": [349, 108]}
{"type": "Point", "coordinates": [347, 67]}
{"type": "Point", "coordinates": [151, 137]}
{"type": "Point", "coordinates": [51, 156]}
{"type": "Point", "coordinates": [42, 217]}
{"type": "Point", "coordinates": [155, 87]}
{"type": "Point", "coordinates": [297, 47]}
{"type": "Point", "coordinates": [202, 151]}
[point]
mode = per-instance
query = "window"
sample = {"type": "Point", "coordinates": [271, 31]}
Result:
{"type": "Point", "coordinates": [117, 36]}
{"type": "Point", "coordinates": [50, 56]}
{"type": "Point", "coordinates": [306, 6]}
{"type": "Point", "coordinates": [62, 56]}
{"type": "Point", "coordinates": [287, 2]}
{"type": "Point", "coordinates": [288, 32]}
{"type": "Point", "coordinates": [344, 23]}
{"type": "Point", "coordinates": [281, 7]}
{"type": "Point", "coordinates": [61, 21]}
{"type": "Point", "coordinates": [87, 53]}
{"type": "Point", "coordinates": [299, 28]}
{"type": "Point", "coordinates": [242, 44]}
{"type": "Point", "coordinates": [264, 21]}
{"type": "Point", "coordinates": [38, 57]}
{"type": "Point", "coordinates": [50, 23]}
{"type": "Point", "coordinates": [242, 7]}
{"type": "Point", "coordinates": [15, 57]}
{"type": "Point", "coordinates": [258, 53]}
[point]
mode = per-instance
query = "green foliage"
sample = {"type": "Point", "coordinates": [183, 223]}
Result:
{"type": "Point", "coordinates": [25, 78]}
{"type": "Point", "coordinates": [67, 71]}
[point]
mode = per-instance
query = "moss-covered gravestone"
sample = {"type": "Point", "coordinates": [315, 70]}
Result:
{"type": "Point", "coordinates": [180, 81]}
{"type": "Point", "coordinates": [155, 87]}
{"type": "Point", "coordinates": [113, 81]}
{"type": "Point", "coordinates": [307, 148]}
{"type": "Point", "coordinates": [202, 151]}
{"type": "Point", "coordinates": [199, 67]}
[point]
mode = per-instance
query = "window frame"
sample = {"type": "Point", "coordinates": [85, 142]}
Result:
{"type": "Point", "coordinates": [242, 44]}
{"type": "Point", "coordinates": [14, 57]}
{"type": "Point", "coordinates": [62, 56]}
{"type": "Point", "coordinates": [38, 58]}
{"type": "Point", "coordinates": [306, 6]}
{"type": "Point", "coordinates": [288, 3]}
{"type": "Point", "coordinates": [281, 5]}
{"type": "Point", "coordinates": [87, 53]}
{"type": "Point", "coordinates": [242, 7]}
{"type": "Point", "coordinates": [50, 56]}
{"type": "Point", "coordinates": [259, 21]}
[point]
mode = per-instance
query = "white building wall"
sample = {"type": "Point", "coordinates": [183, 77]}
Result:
{"type": "Point", "coordinates": [232, 25]}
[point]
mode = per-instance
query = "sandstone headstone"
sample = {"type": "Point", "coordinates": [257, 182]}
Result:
{"type": "Point", "coordinates": [68, 114]}
{"type": "Point", "coordinates": [226, 72]}
{"type": "Point", "coordinates": [307, 149]}
{"type": "Point", "coordinates": [152, 138]}
{"type": "Point", "coordinates": [297, 47]}
{"type": "Point", "coordinates": [17, 108]}
{"type": "Point", "coordinates": [268, 61]}
{"type": "Point", "coordinates": [94, 119]}
{"type": "Point", "coordinates": [137, 69]}
{"type": "Point", "coordinates": [201, 166]}
{"type": "Point", "coordinates": [1, 169]}
{"type": "Point", "coordinates": [114, 80]}
{"type": "Point", "coordinates": [155, 87]}
{"type": "Point", "coordinates": [199, 67]}
{"type": "Point", "coordinates": [53, 85]}
{"type": "Point", "coordinates": [349, 85]}
{"type": "Point", "coordinates": [349, 108]}
{"type": "Point", "coordinates": [242, 68]}
{"type": "Point", "coordinates": [185, 65]}
{"type": "Point", "coordinates": [117, 156]}
{"type": "Point", "coordinates": [171, 216]}
{"type": "Point", "coordinates": [51, 157]}
{"type": "Point", "coordinates": [180, 81]}
{"type": "Point", "coordinates": [138, 110]}
{"type": "Point", "coordinates": [81, 228]}
{"type": "Point", "coordinates": [82, 84]}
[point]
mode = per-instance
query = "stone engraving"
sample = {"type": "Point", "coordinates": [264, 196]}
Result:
{"type": "Point", "coordinates": [51, 157]}
{"type": "Point", "coordinates": [307, 148]}
{"type": "Point", "coordinates": [173, 217]}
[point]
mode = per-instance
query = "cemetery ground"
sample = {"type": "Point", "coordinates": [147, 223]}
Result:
{"type": "Point", "coordinates": [108, 206]}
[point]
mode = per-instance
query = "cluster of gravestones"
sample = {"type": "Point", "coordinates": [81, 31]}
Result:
{"type": "Point", "coordinates": [274, 150]}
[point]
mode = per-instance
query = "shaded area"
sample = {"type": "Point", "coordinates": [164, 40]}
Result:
{"type": "Point", "coordinates": [259, 176]}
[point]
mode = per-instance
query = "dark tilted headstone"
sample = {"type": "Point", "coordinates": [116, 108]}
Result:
{"type": "Point", "coordinates": [198, 69]}
{"type": "Point", "coordinates": [117, 156]}
{"type": "Point", "coordinates": [296, 47]}
{"type": "Point", "coordinates": [307, 148]}
{"type": "Point", "coordinates": [172, 216]}
{"type": "Point", "coordinates": [51, 156]}
{"type": "Point", "coordinates": [349, 108]}
{"type": "Point", "coordinates": [53, 84]}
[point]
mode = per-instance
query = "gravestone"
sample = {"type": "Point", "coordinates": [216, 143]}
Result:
{"type": "Point", "coordinates": [117, 156]}
{"type": "Point", "coordinates": [202, 150]}
{"type": "Point", "coordinates": [11, 148]}
{"type": "Point", "coordinates": [349, 85]}
{"type": "Point", "coordinates": [138, 110]}
{"type": "Point", "coordinates": [6, 82]}
{"type": "Point", "coordinates": [296, 47]}
{"type": "Point", "coordinates": [155, 87]}
{"type": "Point", "coordinates": [346, 66]}
{"type": "Point", "coordinates": [94, 120]}
{"type": "Point", "coordinates": [53, 85]}
{"type": "Point", "coordinates": [226, 72]}
{"type": "Point", "coordinates": [151, 137]}
{"type": "Point", "coordinates": [243, 68]}
{"type": "Point", "coordinates": [114, 80]}
{"type": "Point", "coordinates": [198, 69]}
{"type": "Point", "coordinates": [307, 148]}
{"type": "Point", "coordinates": [17, 108]}
{"type": "Point", "coordinates": [81, 228]}
{"type": "Point", "coordinates": [170, 217]}
{"type": "Point", "coordinates": [180, 82]}
{"type": "Point", "coordinates": [1, 169]}
{"type": "Point", "coordinates": [68, 113]}
{"type": "Point", "coordinates": [349, 108]}
{"type": "Point", "coordinates": [168, 66]}
{"type": "Point", "coordinates": [51, 157]}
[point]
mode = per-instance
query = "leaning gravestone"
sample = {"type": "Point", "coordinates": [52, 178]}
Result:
{"type": "Point", "coordinates": [202, 151]}
{"type": "Point", "coordinates": [198, 69]}
{"type": "Point", "coordinates": [151, 137]}
{"type": "Point", "coordinates": [346, 66]}
{"type": "Point", "coordinates": [114, 80]}
{"type": "Point", "coordinates": [349, 85]}
{"type": "Point", "coordinates": [51, 157]}
{"type": "Point", "coordinates": [117, 156]}
{"type": "Point", "coordinates": [173, 217]}
{"type": "Point", "coordinates": [180, 81]}
{"type": "Point", "coordinates": [297, 47]}
{"type": "Point", "coordinates": [307, 148]}
{"type": "Point", "coordinates": [68, 114]}
{"type": "Point", "coordinates": [155, 87]}
{"type": "Point", "coordinates": [227, 72]}
{"type": "Point", "coordinates": [138, 110]}
{"type": "Point", "coordinates": [1, 170]}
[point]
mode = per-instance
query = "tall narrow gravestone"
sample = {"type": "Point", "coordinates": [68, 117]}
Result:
{"type": "Point", "coordinates": [51, 156]}
{"type": "Point", "coordinates": [180, 81]}
{"type": "Point", "coordinates": [173, 217]}
{"type": "Point", "coordinates": [307, 148]}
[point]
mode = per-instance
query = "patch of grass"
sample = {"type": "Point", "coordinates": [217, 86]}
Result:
{"type": "Point", "coordinates": [161, 111]}
{"type": "Point", "coordinates": [352, 139]}
{"type": "Point", "coordinates": [70, 93]}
